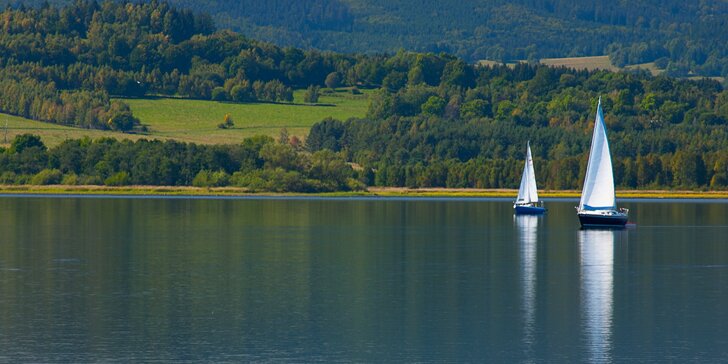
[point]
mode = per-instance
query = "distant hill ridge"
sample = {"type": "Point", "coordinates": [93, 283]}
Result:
{"type": "Point", "coordinates": [680, 35]}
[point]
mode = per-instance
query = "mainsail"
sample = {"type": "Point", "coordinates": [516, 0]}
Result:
{"type": "Point", "coordinates": [598, 192]}
{"type": "Point", "coordinates": [527, 193]}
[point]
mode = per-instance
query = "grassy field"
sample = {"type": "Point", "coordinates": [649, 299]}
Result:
{"type": "Point", "coordinates": [51, 134]}
{"type": "Point", "coordinates": [589, 63]}
{"type": "Point", "coordinates": [196, 120]}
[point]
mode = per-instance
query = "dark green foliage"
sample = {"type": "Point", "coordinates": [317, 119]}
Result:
{"type": "Point", "coordinates": [435, 105]}
{"type": "Point", "coordinates": [684, 35]}
{"type": "Point", "coordinates": [258, 163]}
{"type": "Point", "coordinates": [333, 80]}
{"type": "Point", "coordinates": [26, 141]}
{"type": "Point", "coordinates": [312, 94]}
{"type": "Point", "coordinates": [663, 133]}
{"type": "Point", "coordinates": [207, 178]}
{"type": "Point", "coordinates": [47, 177]}
{"type": "Point", "coordinates": [118, 179]}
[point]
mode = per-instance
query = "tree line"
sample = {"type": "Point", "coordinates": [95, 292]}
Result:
{"type": "Point", "coordinates": [258, 164]}
{"type": "Point", "coordinates": [471, 130]}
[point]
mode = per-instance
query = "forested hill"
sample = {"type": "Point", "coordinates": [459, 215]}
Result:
{"type": "Point", "coordinates": [433, 120]}
{"type": "Point", "coordinates": [684, 37]}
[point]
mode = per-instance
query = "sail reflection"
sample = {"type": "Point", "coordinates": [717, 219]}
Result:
{"type": "Point", "coordinates": [527, 232]}
{"type": "Point", "coordinates": [597, 285]}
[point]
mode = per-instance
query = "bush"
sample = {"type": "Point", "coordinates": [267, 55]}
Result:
{"type": "Point", "coordinates": [207, 178]}
{"type": "Point", "coordinates": [119, 179]}
{"type": "Point", "coordinates": [70, 179]}
{"type": "Point", "coordinates": [312, 94]}
{"type": "Point", "coordinates": [8, 178]}
{"type": "Point", "coordinates": [355, 185]}
{"type": "Point", "coordinates": [47, 177]}
{"type": "Point", "coordinates": [333, 80]}
{"type": "Point", "coordinates": [219, 94]}
{"type": "Point", "coordinates": [227, 122]}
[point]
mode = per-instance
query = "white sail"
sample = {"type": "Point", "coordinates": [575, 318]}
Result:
{"type": "Point", "coordinates": [598, 192]}
{"type": "Point", "coordinates": [527, 192]}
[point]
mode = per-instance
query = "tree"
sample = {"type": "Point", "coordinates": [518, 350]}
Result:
{"type": "Point", "coordinates": [435, 105]}
{"type": "Point", "coordinates": [227, 122]}
{"type": "Point", "coordinates": [26, 141]}
{"type": "Point", "coordinates": [333, 80]}
{"type": "Point", "coordinates": [312, 94]}
{"type": "Point", "coordinates": [283, 137]}
{"type": "Point", "coordinates": [123, 121]}
{"type": "Point", "coordinates": [474, 109]}
{"type": "Point", "coordinates": [219, 94]}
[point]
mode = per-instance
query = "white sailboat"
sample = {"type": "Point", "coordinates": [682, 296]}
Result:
{"type": "Point", "coordinates": [598, 206]}
{"type": "Point", "coordinates": [527, 201]}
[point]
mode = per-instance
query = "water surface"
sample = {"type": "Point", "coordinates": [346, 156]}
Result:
{"type": "Point", "coordinates": [364, 280]}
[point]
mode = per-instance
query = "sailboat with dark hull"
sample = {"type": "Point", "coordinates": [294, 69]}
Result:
{"type": "Point", "coordinates": [527, 201]}
{"type": "Point", "coordinates": [598, 207]}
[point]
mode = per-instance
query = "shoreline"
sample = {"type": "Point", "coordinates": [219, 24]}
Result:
{"type": "Point", "coordinates": [371, 192]}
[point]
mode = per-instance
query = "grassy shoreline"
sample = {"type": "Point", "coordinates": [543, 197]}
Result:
{"type": "Point", "coordinates": [372, 192]}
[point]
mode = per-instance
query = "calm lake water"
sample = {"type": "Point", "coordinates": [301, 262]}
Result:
{"type": "Point", "coordinates": [363, 280]}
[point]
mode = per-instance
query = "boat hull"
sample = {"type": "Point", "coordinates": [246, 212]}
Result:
{"type": "Point", "coordinates": [529, 210]}
{"type": "Point", "coordinates": [603, 221]}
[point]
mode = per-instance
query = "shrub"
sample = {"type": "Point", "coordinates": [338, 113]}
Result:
{"type": "Point", "coordinates": [8, 178]}
{"type": "Point", "coordinates": [70, 179]}
{"type": "Point", "coordinates": [312, 94]}
{"type": "Point", "coordinates": [207, 178]}
{"type": "Point", "coordinates": [219, 94]}
{"type": "Point", "coordinates": [89, 180]}
{"type": "Point", "coordinates": [47, 177]}
{"type": "Point", "coordinates": [119, 179]}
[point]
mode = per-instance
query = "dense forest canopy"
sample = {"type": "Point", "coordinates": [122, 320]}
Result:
{"type": "Point", "coordinates": [684, 37]}
{"type": "Point", "coordinates": [472, 129]}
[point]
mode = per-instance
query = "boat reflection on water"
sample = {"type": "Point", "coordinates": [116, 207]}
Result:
{"type": "Point", "coordinates": [528, 235]}
{"type": "Point", "coordinates": [597, 287]}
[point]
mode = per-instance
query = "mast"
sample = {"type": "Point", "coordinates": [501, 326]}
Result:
{"type": "Point", "coordinates": [532, 189]}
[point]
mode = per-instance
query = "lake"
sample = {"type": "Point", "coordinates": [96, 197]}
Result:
{"type": "Point", "coordinates": [89, 279]}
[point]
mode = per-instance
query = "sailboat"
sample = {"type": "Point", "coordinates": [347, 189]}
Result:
{"type": "Point", "coordinates": [527, 201]}
{"type": "Point", "coordinates": [598, 207]}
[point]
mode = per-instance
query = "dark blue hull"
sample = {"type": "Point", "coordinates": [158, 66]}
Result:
{"type": "Point", "coordinates": [613, 221]}
{"type": "Point", "coordinates": [529, 210]}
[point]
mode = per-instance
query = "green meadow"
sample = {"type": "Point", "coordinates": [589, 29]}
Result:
{"type": "Point", "coordinates": [196, 120]}
{"type": "Point", "coordinates": [51, 134]}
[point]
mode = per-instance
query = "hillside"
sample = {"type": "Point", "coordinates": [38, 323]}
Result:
{"type": "Point", "coordinates": [680, 35]}
{"type": "Point", "coordinates": [196, 120]}
{"type": "Point", "coordinates": [431, 119]}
